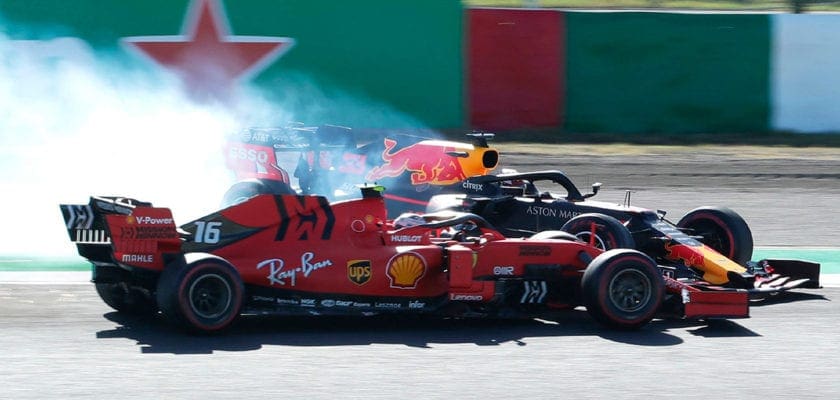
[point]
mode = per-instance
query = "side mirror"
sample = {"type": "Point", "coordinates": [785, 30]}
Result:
{"type": "Point", "coordinates": [595, 188]}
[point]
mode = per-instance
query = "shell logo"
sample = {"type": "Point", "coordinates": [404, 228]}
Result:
{"type": "Point", "coordinates": [130, 219]}
{"type": "Point", "coordinates": [405, 270]}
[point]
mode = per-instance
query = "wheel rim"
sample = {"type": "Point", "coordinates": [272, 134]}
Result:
{"type": "Point", "coordinates": [714, 237]}
{"type": "Point", "coordinates": [210, 296]}
{"type": "Point", "coordinates": [630, 290]}
{"type": "Point", "coordinates": [588, 237]}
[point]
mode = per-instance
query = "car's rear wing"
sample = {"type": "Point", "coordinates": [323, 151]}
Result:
{"type": "Point", "coordinates": [119, 230]}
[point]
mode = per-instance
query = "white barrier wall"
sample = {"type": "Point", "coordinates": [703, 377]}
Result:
{"type": "Point", "coordinates": [805, 72]}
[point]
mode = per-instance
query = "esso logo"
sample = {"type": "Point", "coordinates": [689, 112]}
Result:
{"type": "Point", "coordinates": [241, 153]}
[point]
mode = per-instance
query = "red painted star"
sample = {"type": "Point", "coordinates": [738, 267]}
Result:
{"type": "Point", "coordinates": [206, 56]}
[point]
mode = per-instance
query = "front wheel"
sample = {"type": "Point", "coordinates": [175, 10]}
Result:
{"type": "Point", "coordinates": [622, 289]}
{"type": "Point", "coordinates": [204, 295]}
{"type": "Point", "coordinates": [721, 229]}
{"type": "Point", "coordinates": [601, 231]}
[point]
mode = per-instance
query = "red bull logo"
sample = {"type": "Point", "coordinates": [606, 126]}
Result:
{"type": "Point", "coordinates": [428, 163]}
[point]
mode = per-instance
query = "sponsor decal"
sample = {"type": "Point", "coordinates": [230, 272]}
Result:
{"type": "Point", "coordinates": [307, 302]}
{"type": "Point", "coordinates": [361, 305]}
{"type": "Point", "coordinates": [358, 271]}
{"type": "Point", "coordinates": [428, 163]}
{"type": "Point", "coordinates": [414, 304]}
{"type": "Point", "coordinates": [472, 186]}
{"type": "Point", "coordinates": [551, 212]}
{"type": "Point", "coordinates": [147, 220]}
{"type": "Point", "coordinates": [387, 305]}
{"type": "Point", "coordinates": [466, 297]}
{"type": "Point", "coordinates": [262, 298]}
{"type": "Point", "coordinates": [254, 136]}
{"type": "Point", "coordinates": [148, 232]}
{"type": "Point", "coordinates": [328, 303]}
{"type": "Point", "coordinates": [278, 274]}
{"type": "Point", "coordinates": [138, 258]}
{"type": "Point", "coordinates": [503, 270]}
{"type": "Point", "coordinates": [343, 303]}
{"type": "Point", "coordinates": [405, 270]}
{"type": "Point", "coordinates": [246, 154]}
{"type": "Point", "coordinates": [406, 238]}
{"type": "Point", "coordinates": [535, 250]}
{"type": "Point", "coordinates": [288, 302]}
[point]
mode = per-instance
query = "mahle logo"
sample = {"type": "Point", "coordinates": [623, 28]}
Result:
{"type": "Point", "coordinates": [358, 271]}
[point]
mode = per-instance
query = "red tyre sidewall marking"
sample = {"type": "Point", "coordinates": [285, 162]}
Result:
{"type": "Point", "coordinates": [729, 234]}
{"type": "Point", "coordinates": [184, 301]}
{"type": "Point", "coordinates": [603, 287]}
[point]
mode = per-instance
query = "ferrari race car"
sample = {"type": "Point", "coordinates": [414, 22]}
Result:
{"type": "Point", "coordinates": [327, 160]}
{"type": "Point", "coordinates": [712, 244]}
{"type": "Point", "coordinates": [297, 254]}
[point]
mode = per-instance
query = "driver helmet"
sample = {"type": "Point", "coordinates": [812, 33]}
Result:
{"type": "Point", "coordinates": [406, 220]}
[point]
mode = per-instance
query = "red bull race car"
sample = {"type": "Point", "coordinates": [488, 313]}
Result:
{"type": "Point", "coordinates": [300, 254]}
{"type": "Point", "coordinates": [709, 244]}
{"type": "Point", "coordinates": [329, 161]}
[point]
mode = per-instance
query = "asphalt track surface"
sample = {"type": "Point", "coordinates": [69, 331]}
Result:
{"type": "Point", "coordinates": [61, 341]}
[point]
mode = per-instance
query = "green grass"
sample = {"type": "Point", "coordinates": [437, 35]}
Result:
{"type": "Point", "coordinates": [51, 264]}
{"type": "Point", "coordinates": [726, 5]}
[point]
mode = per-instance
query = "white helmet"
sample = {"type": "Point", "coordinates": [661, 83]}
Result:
{"type": "Point", "coordinates": [406, 220]}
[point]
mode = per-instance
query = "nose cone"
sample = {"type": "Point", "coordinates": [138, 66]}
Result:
{"type": "Point", "coordinates": [479, 161]}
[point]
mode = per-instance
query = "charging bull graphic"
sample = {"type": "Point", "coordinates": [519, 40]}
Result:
{"type": "Point", "coordinates": [425, 160]}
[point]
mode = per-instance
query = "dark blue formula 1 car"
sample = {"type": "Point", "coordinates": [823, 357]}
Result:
{"type": "Point", "coordinates": [713, 244]}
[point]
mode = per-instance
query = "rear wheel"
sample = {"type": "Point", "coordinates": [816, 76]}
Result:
{"type": "Point", "coordinates": [126, 298]}
{"type": "Point", "coordinates": [721, 229]}
{"type": "Point", "coordinates": [204, 295]}
{"type": "Point", "coordinates": [601, 231]}
{"type": "Point", "coordinates": [622, 289]}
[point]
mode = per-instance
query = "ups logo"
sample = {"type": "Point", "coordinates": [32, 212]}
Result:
{"type": "Point", "coordinates": [358, 271]}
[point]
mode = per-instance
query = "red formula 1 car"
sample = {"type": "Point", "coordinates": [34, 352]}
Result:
{"type": "Point", "coordinates": [293, 254]}
{"type": "Point", "coordinates": [329, 161]}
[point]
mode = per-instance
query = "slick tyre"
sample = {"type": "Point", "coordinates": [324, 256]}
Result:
{"type": "Point", "coordinates": [721, 229]}
{"type": "Point", "coordinates": [622, 289]}
{"type": "Point", "coordinates": [601, 231]}
{"type": "Point", "coordinates": [127, 299]}
{"type": "Point", "coordinates": [203, 295]}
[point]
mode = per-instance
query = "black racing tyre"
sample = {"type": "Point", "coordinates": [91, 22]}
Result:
{"type": "Point", "coordinates": [203, 294]}
{"type": "Point", "coordinates": [126, 298]}
{"type": "Point", "coordinates": [622, 289]}
{"type": "Point", "coordinates": [600, 230]}
{"type": "Point", "coordinates": [721, 229]}
{"type": "Point", "coordinates": [244, 190]}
